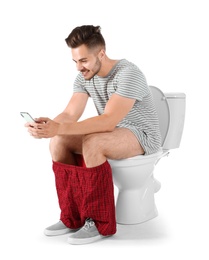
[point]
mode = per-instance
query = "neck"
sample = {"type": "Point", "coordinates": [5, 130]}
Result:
{"type": "Point", "coordinates": [107, 65]}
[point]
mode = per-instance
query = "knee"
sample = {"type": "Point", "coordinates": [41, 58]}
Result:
{"type": "Point", "coordinates": [52, 143]}
{"type": "Point", "coordinates": [56, 144]}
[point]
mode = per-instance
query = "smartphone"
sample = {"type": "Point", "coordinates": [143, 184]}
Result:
{"type": "Point", "coordinates": [27, 117]}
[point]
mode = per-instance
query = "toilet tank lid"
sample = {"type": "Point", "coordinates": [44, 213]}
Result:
{"type": "Point", "coordinates": [175, 95]}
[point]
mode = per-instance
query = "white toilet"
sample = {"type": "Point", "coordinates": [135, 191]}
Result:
{"type": "Point", "coordinates": [134, 176]}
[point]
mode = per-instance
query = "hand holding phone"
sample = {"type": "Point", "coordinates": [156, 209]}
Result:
{"type": "Point", "coordinates": [37, 127]}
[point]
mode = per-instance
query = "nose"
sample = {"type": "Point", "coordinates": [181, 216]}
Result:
{"type": "Point", "coordinates": [79, 66]}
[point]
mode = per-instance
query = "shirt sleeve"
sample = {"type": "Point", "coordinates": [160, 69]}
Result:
{"type": "Point", "coordinates": [79, 85]}
{"type": "Point", "coordinates": [132, 84]}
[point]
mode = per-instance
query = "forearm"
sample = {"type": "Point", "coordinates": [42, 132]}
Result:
{"type": "Point", "coordinates": [66, 123]}
{"type": "Point", "coordinates": [95, 124]}
{"type": "Point", "coordinates": [65, 118]}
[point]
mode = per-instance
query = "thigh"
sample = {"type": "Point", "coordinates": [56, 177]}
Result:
{"type": "Point", "coordinates": [118, 144]}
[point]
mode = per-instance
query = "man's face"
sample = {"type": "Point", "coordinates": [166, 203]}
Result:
{"type": "Point", "coordinates": [87, 61]}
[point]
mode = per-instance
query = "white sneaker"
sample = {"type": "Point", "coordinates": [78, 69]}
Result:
{"type": "Point", "coordinates": [87, 234]}
{"type": "Point", "coordinates": [58, 229]}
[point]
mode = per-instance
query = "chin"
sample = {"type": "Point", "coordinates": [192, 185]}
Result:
{"type": "Point", "coordinates": [89, 77]}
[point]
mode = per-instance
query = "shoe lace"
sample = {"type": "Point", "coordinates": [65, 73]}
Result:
{"type": "Point", "coordinates": [88, 224]}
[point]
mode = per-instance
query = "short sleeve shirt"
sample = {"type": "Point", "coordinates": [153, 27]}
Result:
{"type": "Point", "coordinates": [126, 80]}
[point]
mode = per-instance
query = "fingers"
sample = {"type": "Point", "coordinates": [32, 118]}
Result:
{"type": "Point", "coordinates": [35, 129]}
{"type": "Point", "coordinates": [40, 130]}
{"type": "Point", "coordinates": [27, 124]}
{"type": "Point", "coordinates": [36, 132]}
{"type": "Point", "coordinates": [37, 124]}
{"type": "Point", "coordinates": [43, 127]}
{"type": "Point", "coordinates": [42, 120]}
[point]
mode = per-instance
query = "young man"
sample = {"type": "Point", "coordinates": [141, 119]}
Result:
{"type": "Point", "coordinates": [126, 126]}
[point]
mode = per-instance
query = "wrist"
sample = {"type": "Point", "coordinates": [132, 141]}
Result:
{"type": "Point", "coordinates": [62, 130]}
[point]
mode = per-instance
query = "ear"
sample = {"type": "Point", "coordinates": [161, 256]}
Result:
{"type": "Point", "coordinates": [101, 54]}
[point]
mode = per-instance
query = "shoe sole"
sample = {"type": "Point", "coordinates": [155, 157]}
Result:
{"type": "Point", "coordinates": [59, 232]}
{"type": "Point", "coordinates": [82, 241]}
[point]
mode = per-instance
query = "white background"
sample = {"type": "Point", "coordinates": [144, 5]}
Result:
{"type": "Point", "coordinates": [169, 42]}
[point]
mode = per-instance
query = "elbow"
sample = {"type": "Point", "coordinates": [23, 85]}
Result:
{"type": "Point", "coordinates": [109, 123]}
{"type": "Point", "coordinates": [110, 128]}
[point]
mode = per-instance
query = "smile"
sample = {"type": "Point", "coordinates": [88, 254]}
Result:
{"type": "Point", "coordinates": [85, 72]}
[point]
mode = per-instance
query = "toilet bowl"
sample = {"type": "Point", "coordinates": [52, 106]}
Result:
{"type": "Point", "coordinates": [134, 176]}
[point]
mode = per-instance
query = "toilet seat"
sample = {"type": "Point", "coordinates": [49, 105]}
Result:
{"type": "Point", "coordinates": [136, 160]}
{"type": "Point", "coordinates": [163, 113]}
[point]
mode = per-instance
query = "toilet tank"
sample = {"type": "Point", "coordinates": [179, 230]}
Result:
{"type": "Point", "coordinates": [177, 107]}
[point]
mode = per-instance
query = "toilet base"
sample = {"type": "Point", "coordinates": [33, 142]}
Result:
{"type": "Point", "coordinates": [137, 206]}
{"type": "Point", "coordinates": [128, 221]}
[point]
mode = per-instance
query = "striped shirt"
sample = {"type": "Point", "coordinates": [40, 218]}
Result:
{"type": "Point", "coordinates": [125, 79]}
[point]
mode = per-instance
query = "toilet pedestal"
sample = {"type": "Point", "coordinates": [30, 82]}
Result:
{"type": "Point", "coordinates": [137, 206]}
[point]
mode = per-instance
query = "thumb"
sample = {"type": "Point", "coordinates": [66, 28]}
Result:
{"type": "Point", "coordinates": [42, 119]}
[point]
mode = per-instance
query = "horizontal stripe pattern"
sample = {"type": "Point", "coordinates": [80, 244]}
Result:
{"type": "Point", "coordinates": [126, 79]}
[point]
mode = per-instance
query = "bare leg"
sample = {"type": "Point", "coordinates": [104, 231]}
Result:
{"type": "Point", "coordinates": [62, 148]}
{"type": "Point", "coordinates": [96, 148]}
{"type": "Point", "coordinates": [119, 144]}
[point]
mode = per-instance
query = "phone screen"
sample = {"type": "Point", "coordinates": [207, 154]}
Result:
{"type": "Point", "coordinates": [27, 117]}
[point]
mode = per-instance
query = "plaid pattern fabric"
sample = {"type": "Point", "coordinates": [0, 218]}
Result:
{"type": "Point", "coordinates": [86, 193]}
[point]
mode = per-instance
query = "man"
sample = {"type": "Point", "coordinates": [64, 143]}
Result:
{"type": "Point", "coordinates": [126, 126]}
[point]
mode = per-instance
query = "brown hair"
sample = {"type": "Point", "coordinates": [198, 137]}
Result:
{"type": "Point", "coordinates": [87, 34]}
